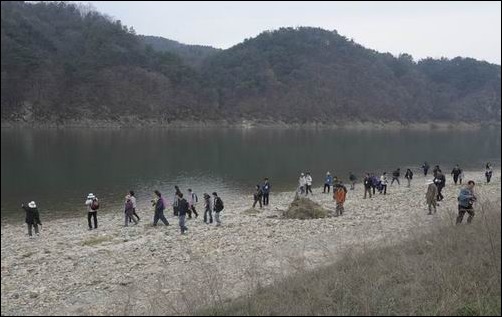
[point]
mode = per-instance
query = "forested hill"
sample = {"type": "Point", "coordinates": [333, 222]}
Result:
{"type": "Point", "coordinates": [61, 61]}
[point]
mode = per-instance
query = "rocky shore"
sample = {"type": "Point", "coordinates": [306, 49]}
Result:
{"type": "Point", "coordinates": [141, 269]}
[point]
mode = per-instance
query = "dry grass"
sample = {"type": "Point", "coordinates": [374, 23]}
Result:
{"type": "Point", "coordinates": [304, 208]}
{"type": "Point", "coordinates": [93, 241]}
{"type": "Point", "coordinates": [454, 270]}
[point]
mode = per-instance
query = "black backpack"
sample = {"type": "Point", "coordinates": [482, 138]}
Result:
{"type": "Point", "coordinates": [218, 204]}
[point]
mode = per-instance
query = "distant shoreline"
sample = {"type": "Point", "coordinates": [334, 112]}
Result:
{"type": "Point", "coordinates": [135, 123]}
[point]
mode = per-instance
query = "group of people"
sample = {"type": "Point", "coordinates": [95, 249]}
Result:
{"type": "Point", "coordinates": [183, 207]}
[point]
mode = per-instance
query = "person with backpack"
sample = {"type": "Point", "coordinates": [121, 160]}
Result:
{"type": "Point", "coordinates": [32, 218]}
{"type": "Point", "coordinates": [134, 205]}
{"type": "Point", "coordinates": [266, 191]}
{"type": "Point", "coordinates": [92, 204]}
{"type": "Point", "coordinates": [466, 200]}
{"type": "Point", "coordinates": [183, 209]}
{"type": "Point", "coordinates": [175, 200]}
{"type": "Point", "coordinates": [208, 210]}
{"type": "Point", "coordinates": [129, 211]}
{"type": "Point", "coordinates": [308, 184]}
{"type": "Point", "coordinates": [218, 207]}
{"type": "Point", "coordinates": [383, 183]}
{"type": "Point", "coordinates": [431, 197]}
{"type": "Point", "coordinates": [488, 172]}
{"type": "Point", "coordinates": [395, 176]}
{"type": "Point", "coordinates": [367, 185]}
{"type": "Point", "coordinates": [328, 182]}
{"type": "Point", "coordinates": [425, 168]}
{"type": "Point", "coordinates": [440, 181]}
{"type": "Point", "coordinates": [339, 195]}
{"type": "Point", "coordinates": [192, 201]}
{"type": "Point", "coordinates": [352, 179]}
{"type": "Point", "coordinates": [409, 176]}
{"type": "Point", "coordinates": [456, 173]}
{"type": "Point", "coordinates": [258, 196]}
{"type": "Point", "coordinates": [159, 204]}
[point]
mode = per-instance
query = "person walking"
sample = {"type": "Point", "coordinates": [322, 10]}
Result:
{"type": "Point", "coordinates": [218, 208]}
{"type": "Point", "coordinates": [258, 196]}
{"type": "Point", "coordinates": [375, 183]}
{"type": "Point", "coordinates": [383, 183]}
{"type": "Point", "coordinates": [175, 200]}
{"type": "Point", "coordinates": [160, 205]}
{"type": "Point", "coordinates": [431, 197]}
{"type": "Point", "coordinates": [308, 184]}
{"type": "Point", "coordinates": [395, 176]}
{"type": "Point", "coordinates": [134, 205]}
{"type": "Point", "coordinates": [208, 210]}
{"type": "Point", "coordinates": [352, 179]}
{"type": "Point", "coordinates": [32, 218]}
{"type": "Point", "coordinates": [328, 182]}
{"type": "Point", "coordinates": [92, 204]}
{"type": "Point", "coordinates": [436, 170]}
{"type": "Point", "coordinates": [266, 191]}
{"type": "Point", "coordinates": [192, 201]}
{"type": "Point", "coordinates": [466, 199]}
{"type": "Point", "coordinates": [456, 171]}
{"type": "Point", "coordinates": [183, 209]}
{"type": "Point", "coordinates": [339, 195]}
{"type": "Point", "coordinates": [408, 176]}
{"type": "Point", "coordinates": [440, 181]}
{"type": "Point", "coordinates": [129, 211]}
{"type": "Point", "coordinates": [367, 185]}
{"type": "Point", "coordinates": [425, 168]}
{"type": "Point", "coordinates": [488, 172]}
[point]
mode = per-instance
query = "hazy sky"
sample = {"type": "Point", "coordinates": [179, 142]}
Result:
{"type": "Point", "coordinates": [423, 29]}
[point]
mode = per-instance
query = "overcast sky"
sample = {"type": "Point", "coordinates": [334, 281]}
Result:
{"type": "Point", "coordinates": [423, 29]}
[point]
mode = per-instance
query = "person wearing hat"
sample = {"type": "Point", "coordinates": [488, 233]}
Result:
{"type": "Point", "coordinates": [431, 196]}
{"type": "Point", "coordinates": [208, 210]}
{"type": "Point", "coordinates": [129, 211]}
{"type": "Point", "coordinates": [308, 184]}
{"type": "Point", "coordinates": [32, 217]}
{"type": "Point", "coordinates": [92, 204]}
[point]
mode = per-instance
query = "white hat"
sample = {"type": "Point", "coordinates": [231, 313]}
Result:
{"type": "Point", "coordinates": [327, 173]}
{"type": "Point", "coordinates": [91, 196]}
{"type": "Point", "coordinates": [32, 204]}
{"type": "Point", "coordinates": [302, 174]}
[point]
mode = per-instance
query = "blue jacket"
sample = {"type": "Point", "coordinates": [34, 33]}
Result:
{"type": "Point", "coordinates": [466, 197]}
{"type": "Point", "coordinates": [266, 188]}
{"type": "Point", "coordinates": [159, 207]}
{"type": "Point", "coordinates": [329, 180]}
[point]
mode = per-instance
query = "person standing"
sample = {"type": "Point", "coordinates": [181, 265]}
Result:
{"type": "Point", "coordinates": [258, 196]}
{"type": "Point", "coordinates": [395, 176]}
{"type": "Point", "coordinates": [431, 197]}
{"type": "Point", "coordinates": [208, 210]}
{"type": "Point", "coordinates": [408, 176]}
{"type": "Point", "coordinates": [302, 183]}
{"type": "Point", "coordinates": [425, 168]}
{"type": "Point", "coordinates": [160, 205]}
{"type": "Point", "coordinates": [383, 183]}
{"type": "Point", "coordinates": [92, 204]}
{"type": "Point", "coordinates": [488, 172]}
{"type": "Point", "coordinates": [183, 209]}
{"type": "Point", "coordinates": [328, 182]}
{"type": "Point", "coordinates": [266, 191]}
{"type": "Point", "coordinates": [32, 218]}
{"type": "Point", "coordinates": [375, 182]}
{"type": "Point", "coordinates": [308, 182]}
{"type": "Point", "coordinates": [339, 194]}
{"type": "Point", "coordinates": [134, 205]}
{"type": "Point", "coordinates": [218, 207]}
{"type": "Point", "coordinates": [461, 176]}
{"type": "Point", "coordinates": [129, 211]}
{"type": "Point", "coordinates": [192, 201]}
{"type": "Point", "coordinates": [440, 181]}
{"type": "Point", "coordinates": [367, 185]}
{"type": "Point", "coordinates": [456, 173]}
{"type": "Point", "coordinates": [466, 199]}
{"type": "Point", "coordinates": [436, 170]}
{"type": "Point", "coordinates": [352, 179]}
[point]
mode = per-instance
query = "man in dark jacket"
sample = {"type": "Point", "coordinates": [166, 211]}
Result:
{"type": "Point", "coordinates": [466, 199]}
{"type": "Point", "coordinates": [183, 207]}
{"type": "Point", "coordinates": [456, 173]}
{"type": "Point", "coordinates": [426, 167]}
{"type": "Point", "coordinates": [159, 205]}
{"type": "Point", "coordinates": [395, 176]}
{"type": "Point", "coordinates": [218, 207]}
{"type": "Point", "coordinates": [32, 217]}
{"type": "Point", "coordinates": [266, 191]}
{"type": "Point", "coordinates": [440, 181]}
{"type": "Point", "coordinates": [367, 185]}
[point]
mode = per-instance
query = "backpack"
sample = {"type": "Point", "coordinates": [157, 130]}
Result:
{"type": "Point", "coordinates": [218, 204]}
{"type": "Point", "coordinates": [94, 205]}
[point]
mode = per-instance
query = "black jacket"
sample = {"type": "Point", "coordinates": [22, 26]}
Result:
{"type": "Point", "coordinates": [367, 182]}
{"type": "Point", "coordinates": [32, 216]}
{"type": "Point", "coordinates": [218, 204]}
{"type": "Point", "coordinates": [183, 207]}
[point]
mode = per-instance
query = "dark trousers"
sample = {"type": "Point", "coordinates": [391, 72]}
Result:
{"type": "Point", "coordinates": [159, 215]}
{"type": "Point", "coordinates": [190, 210]}
{"type": "Point", "coordinates": [175, 211]}
{"type": "Point", "coordinates": [257, 199]}
{"type": "Point", "coordinates": [308, 189]}
{"type": "Point", "coordinates": [395, 179]}
{"type": "Point", "coordinates": [374, 189]}
{"type": "Point", "coordinates": [328, 186]}
{"type": "Point", "coordinates": [92, 214]}
{"type": "Point", "coordinates": [265, 199]}
{"type": "Point", "coordinates": [384, 189]}
{"type": "Point", "coordinates": [440, 195]}
{"type": "Point", "coordinates": [461, 213]}
{"type": "Point", "coordinates": [134, 214]}
{"type": "Point", "coordinates": [455, 179]}
{"type": "Point", "coordinates": [425, 172]}
{"type": "Point", "coordinates": [209, 214]}
{"type": "Point", "coordinates": [488, 177]}
{"type": "Point", "coordinates": [367, 190]}
{"type": "Point", "coordinates": [30, 225]}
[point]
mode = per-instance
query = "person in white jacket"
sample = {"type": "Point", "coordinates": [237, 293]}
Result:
{"type": "Point", "coordinates": [301, 184]}
{"type": "Point", "coordinates": [308, 185]}
{"type": "Point", "coordinates": [383, 181]}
